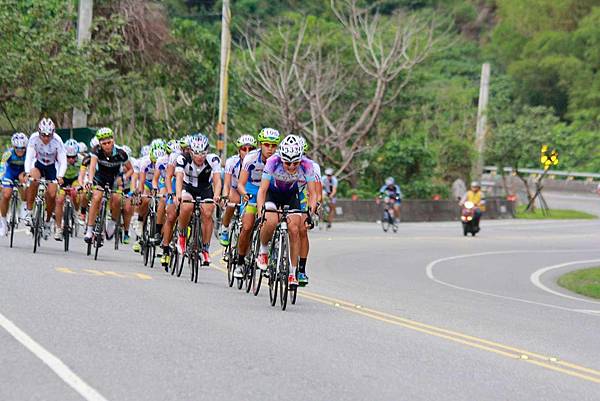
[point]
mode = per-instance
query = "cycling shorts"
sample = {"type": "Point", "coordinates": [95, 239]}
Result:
{"type": "Point", "coordinates": [204, 192]}
{"type": "Point", "coordinates": [277, 200]}
{"type": "Point", "coordinates": [11, 177]}
{"type": "Point", "coordinates": [250, 207]}
{"type": "Point", "coordinates": [47, 171]}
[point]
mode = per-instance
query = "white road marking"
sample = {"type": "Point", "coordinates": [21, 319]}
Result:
{"type": "Point", "coordinates": [431, 276]}
{"type": "Point", "coordinates": [55, 364]}
{"type": "Point", "coordinates": [535, 279]}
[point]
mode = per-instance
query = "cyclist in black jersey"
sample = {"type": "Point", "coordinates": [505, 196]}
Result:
{"type": "Point", "coordinates": [105, 165]}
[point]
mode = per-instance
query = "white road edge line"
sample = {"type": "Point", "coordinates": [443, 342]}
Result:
{"type": "Point", "coordinates": [535, 279]}
{"type": "Point", "coordinates": [55, 364]}
{"type": "Point", "coordinates": [431, 276]}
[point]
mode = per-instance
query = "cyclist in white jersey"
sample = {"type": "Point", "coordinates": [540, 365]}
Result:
{"type": "Point", "coordinates": [45, 158]}
{"type": "Point", "coordinates": [198, 175]}
{"type": "Point", "coordinates": [233, 165]}
{"type": "Point", "coordinates": [249, 182]}
{"type": "Point", "coordinates": [329, 185]}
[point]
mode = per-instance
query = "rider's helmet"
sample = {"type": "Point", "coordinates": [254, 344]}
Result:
{"type": "Point", "coordinates": [94, 142]}
{"type": "Point", "coordinates": [157, 151]}
{"type": "Point", "coordinates": [71, 147]}
{"type": "Point", "coordinates": [304, 144]}
{"type": "Point", "coordinates": [46, 127]}
{"type": "Point", "coordinates": [127, 150]}
{"type": "Point", "coordinates": [19, 140]}
{"type": "Point", "coordinates": [82, 147]}
{"type": "Point", "coordinates": [475, 184]}
{"type": "Point", "coordinates": [174, 146]}
{"type": "Point", "coordinates": [328, 171]}
{"type": "Point", "coordinates": [390, 181]}
{"type": "Point", "coordinates": [157, 141]}
{"type": "Point", "coordinates": [269, 135]}
{"type": "Point", "coordinates": [104, 133]}
{"type": "Point", "coordinates": [145, 151]}
{"type": "Point", "coordinates": [184, 141]}
{"type": "Point", "coordinates": [199, 143]}
{"type": "Point", "coordinates": [245, 140]}
{"type": "Point", "coordinates": [290, 149]}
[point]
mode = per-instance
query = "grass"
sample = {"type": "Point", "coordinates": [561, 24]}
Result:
{"type": "Point", "coordinates": [554, 214]}
{"type": "Point", "coordinates": [584, 282]}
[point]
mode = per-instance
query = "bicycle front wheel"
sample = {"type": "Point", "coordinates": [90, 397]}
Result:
{"type": "Point", "coordinates": [13, 218]}
{"type": "Point", "coordinates": [284, 269]}
{"type": "Point", "coordinates": [37, 226]}
{"type": "Point", "coordinates": [385, 221]}
{"type": "Point", "coordinates": [66, 225]}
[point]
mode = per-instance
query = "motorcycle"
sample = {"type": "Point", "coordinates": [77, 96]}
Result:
{"type": "Point", "coordinates": [469, 222]}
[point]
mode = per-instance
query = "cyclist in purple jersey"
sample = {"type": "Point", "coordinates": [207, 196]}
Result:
{"type": "Point", "coordinates": [278, 188]}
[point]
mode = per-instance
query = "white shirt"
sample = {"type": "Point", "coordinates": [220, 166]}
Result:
{"type": "Point", "coordinates": [52, 153]}
{"type": "Point", "coordinates": [233, 166]}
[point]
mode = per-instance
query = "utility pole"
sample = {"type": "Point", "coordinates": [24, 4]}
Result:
{"type": "Point", "coordinates": [484, 90]}
{"type": "Point", "coordinates": [84, 34]}
{"type": "Point", "coordinates": [224, 81]}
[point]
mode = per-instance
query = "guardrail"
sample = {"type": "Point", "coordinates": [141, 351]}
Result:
{"type": "Point", "coordinates": [553, 173]}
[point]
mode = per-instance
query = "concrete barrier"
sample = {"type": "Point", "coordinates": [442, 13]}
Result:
{"type": "Point", "coordinates": [414, 210]}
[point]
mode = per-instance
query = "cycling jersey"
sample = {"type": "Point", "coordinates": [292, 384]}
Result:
{"type": "Point", "coordinates": [391, 191]}
{"type": "Point", "coordinates": [50, 158]}
{"type": "Point", "coordinates": [233, 166]}
{"type": "Point", "coordinates": [13, 166]}
{"type": "Point", "coordinates": [71, 174]}
{"type": "Point", "coordinates": [254, 165]}
{"type": "Point", "coordinates": [108, 166]}
{"type": "Point", "coordinates": [303, 187]}
{"type": "Point", "coordinates": [198, 175]}
{"type": "Point", "coordinates": [282, 181]}
{"type": "Point", "coordinates": [329, 183]}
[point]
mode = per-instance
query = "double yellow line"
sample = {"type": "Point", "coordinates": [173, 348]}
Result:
{"type": "Point", "coordinates": [507, 351]}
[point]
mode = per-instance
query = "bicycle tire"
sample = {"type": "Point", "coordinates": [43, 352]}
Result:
{"type": "Point", "coordinates": [151, 243]}
{"type": "Point", "coordinates": [284, 269]}
{"type": "Point", "coordinates": [273, 282]}
{"type": "Point", "coordinates": [181, 263]}
{"type": "Point", "coordinates": [37, 234]}
{"type": "Point", "coordinates": [117, 236]}
{"type": "Point", "coordinates": [174, 264]}
{"type": "Point", "coordinates": [145, 250]}
{"type": "Point", "coordinates": [218, 221]}
{"type": "Point", "coordinates": [99, 228]}
{"type": "Point", "coordinates": [249, 277]}
{"type": "Point", "coordinates": [385, 223]}
{"type": "Point", "coordinates": [230, 265]}
{"type": "Point", "coordinates": [257, 275]}
{"type": "Point", "coordinates": [66, 225]}
{"type": "Point", "coordinates": [13, 217]}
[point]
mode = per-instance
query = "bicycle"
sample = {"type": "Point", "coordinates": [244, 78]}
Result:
{"type": "Point", "coordinates": [279, 259]}
{"type": "Point", "coordinates": [69, 218]}
{"type": "Point", "coordinates": [118, 236]}
{"type": "Point", "coordinates": [37, 228]}
{"type": "Point", "coordinates": [13, 207]}
{"type": "Point", "coordinates": [388, 219]}
{"type": "Point", "coordinates": [231, 250]}
{"type": "Point", "coordinates": [149, 233]}
{"type": "Point", "coordinates": [194, 238]}
{"type": "Point", "coordinates": [218, 221]}
{"type": "Point", "coordinates": [100, 223]}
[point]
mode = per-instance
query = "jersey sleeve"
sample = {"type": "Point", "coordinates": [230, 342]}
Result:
{"type": "Point", "coordinates": [269, 168]}
{"type": "Point", "coordinates": [248, 160]}
{"type": "Point", "coordinates": [180, 164]}
{"type": "Point", "coordinates": [215, 163]}
{"type": "Point", "coordinates": [334, 182]}
{"type": "Point", "coordinates": [30, 153]}
{"type": "Point", "coordinates": [230, 165]}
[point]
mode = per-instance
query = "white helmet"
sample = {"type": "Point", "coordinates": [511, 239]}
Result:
{"type": "Point", "coordinates": [199, 143]}
{"type": "Point", "coordinates": [174, 146]}
{"type": "Point", "coordinates": [82, 147]}
{"type": "Point", "coordinates": [127, 149]}
{"type": "Point", "coordinates": [71, 147]}
{"type": "Point", "coordinates": [94, 142]}
{"type": "Point", "coordinates": [46, 127]}
{"type": "Point", "coordinates": [328, 171]}
{"type": "Point", "coordinates": [291, 149]}
{"type": "Point", "coordinates": [145, 151]}
{"type": "Point", "coordinates": [245, 140]}
{"type": "Point", "coordinates": [156, 153]}
{"type": "Point", "coordinates": [390, 181]}
{"type": "Point", "coordinates": [19, 140]}
{"type": "Point", "coordinates": [158, 142]}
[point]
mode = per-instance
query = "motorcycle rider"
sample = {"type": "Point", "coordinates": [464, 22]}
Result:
{"type": "Point", "coordinates": [477, 197]}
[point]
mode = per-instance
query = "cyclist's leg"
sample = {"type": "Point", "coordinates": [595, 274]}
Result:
{"type": "Point", "coordinates": [93, 211]}
{"type": "Point", "coordinates": [58, 210]}
{"type": "Point", "coordinates": [33, 187]}
{"type": "Point", "coordinates": [295, 221]}
{"type": "Point", "coordinates": [248, 218]}
{"type": "Point", "coordinates": [331, 210]}
{"type": "Point", "coordinates": [266, 232]}
{"type": "Point", "coordinates": [4, 201]}
{"type": "Point", "coordinates": [183, 220]}
{"type": "Point", "coordinates": [160, 214]}
{"type": "Point", "coordinates": [397, 209]}
{"type": "Point", "coordinates": [234, 197]}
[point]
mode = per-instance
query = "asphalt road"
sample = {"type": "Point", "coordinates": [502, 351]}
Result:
{"type": "Point", "coordinates": [424, 314]}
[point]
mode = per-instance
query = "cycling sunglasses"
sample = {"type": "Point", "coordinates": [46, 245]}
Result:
{"type": "Point", "coordinates": [291, 164]}
{"type": "Point", "coordinates": [247, 148]}
{"type": "Point", "coordinates": [269, 145]}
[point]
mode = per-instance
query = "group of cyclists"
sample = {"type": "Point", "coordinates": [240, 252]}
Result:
{"type": "Point", "coordinates": [268, 173]}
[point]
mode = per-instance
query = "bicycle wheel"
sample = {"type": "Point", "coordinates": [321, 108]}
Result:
{"type": "Point", "coordinates": [284, 269]}
{"type": "Point", "coordinates": [231, 263]}
{"type": "Point", "coordinates": [99, 229]}
{"type": "Point", "coordinates": [37, 226]}
{"type": "Point", "coordinates": [218, 221]}
{"type": "Point", "coordinates": [385, 221]}
{"type": "Point", "coordinates": [13, 216]}
{"type": "Point", "coordinates": [249, 274]}
{"type": "Point", "coordinates": [117, 237]}
{"type": "Point", "coordinates": [145, 240]}
{"type": "Point", "coordinates": [181, 263]}
{"type": "Point", "coordinates": [174, 264]}
{"type": "Point", "coordinates": [272, 267]}
{"type": "Point", "coordinates": [257, 275]}
{"type": "Point", "coordinates": [151, 243]}
{"type": "Point", "coordinates": [67, 225]}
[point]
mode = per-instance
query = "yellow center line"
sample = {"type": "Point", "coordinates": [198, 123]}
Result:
{"type": "Point", "coordinates": [65, 270]}
{"type": "Point", "coordinates": [93, 272]}
{"type": "Point", "coordinates": [457, 337]}
{"type": "Point", "coordinates": [114, 274]}
{"type": "Point", "coordinates": [142, 276]}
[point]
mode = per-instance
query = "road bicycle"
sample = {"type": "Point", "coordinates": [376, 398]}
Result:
{"type": "Point", "coordinates": [13, 208]}
{"type": "Point", "coordinates": [39, 212]}
{"type": "Point", "coordinates": [150, 236]}
{"type": "Point", "coordinates": [70, 223]}
{"type": "Point", "coordinates": [100, 223]}
{"type": "Point", "coordinates": [279, 259]}
{"type": "Point", "coordinates": [193, 247]}
{"type": "Point", "coordinates": [388, 219]}
{"type": "Point", "coordinates": [231, 250]}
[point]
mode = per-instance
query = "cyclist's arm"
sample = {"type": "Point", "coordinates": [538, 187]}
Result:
{"type": "Point", "coordinates": [333, 187]}
{"type": "Point", "coordinates": [61, 159]}
{"type": "Point", "coordinates": [169, 178]}
{"type": "Point", "coordinates": [242, 182]}
{"type": "Point", "coordinates": [92, 168]}
{"type": "Point", "coordinates": [262, 194]}
{"type": "Point", "coordinates": [216, 183]}
{"type": "Point", "coordinates": [226, 185]}
{"type": "Point", "coordinates": [319, 190]}
{"type": "Point", "coordinates": [155, 178]}
{"type": "Point", "coordinates": [81, 176]}
{"type": "Point", "coordinates": [312, 195]}
{"type": "Point", "coordinates": [142, 181]}
{"type": "Point", "coordinates": [29, 157]}
{"type": "Point", "coordinates": [178, 184]}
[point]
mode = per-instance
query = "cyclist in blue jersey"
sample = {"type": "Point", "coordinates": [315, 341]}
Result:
{"type": "Point", "coordinates": [392, 194]}
{"type": "Point", "coordinates": [14, 172]}
{"type": "Point", "coordinates": [248, 183]}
